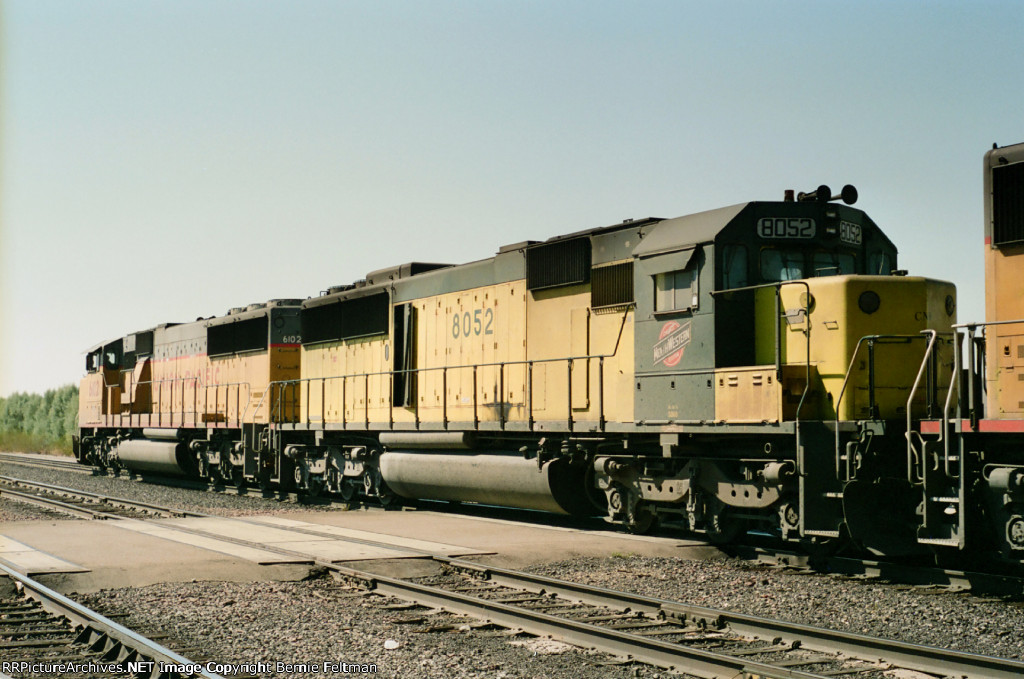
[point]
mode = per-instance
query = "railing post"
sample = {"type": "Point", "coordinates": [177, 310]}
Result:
{"type": "Point", "coordinates": [444, 396]}
{"type": "Point", "coordinates": [391, 399]}
{"type": "Point", "coordinates": [366, 398]}
{"type": "Point", "coordinates": [501, 401]}
{"type": "Point", "coordinates": [778, 333]}
{"type": "Point", "coordinates": [476, 392]}
{"type": "Point", "coordinates": [600, 393]}
{"type": "Point", "coordinates": [415, 399]}
{"type": "Point", "coordinates": [344, 402]}
{"type": "Point", "coordinates": [529, 393]}
{"type": "Point", "coordinates": [476, 419]}
{"type": "Point", "coordinates": [872, 407]}
{"type": "Point", "coordinates": [569, 393]}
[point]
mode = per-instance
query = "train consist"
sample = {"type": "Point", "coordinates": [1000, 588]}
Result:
{"type": "Point", "coordinates": [764, 366]}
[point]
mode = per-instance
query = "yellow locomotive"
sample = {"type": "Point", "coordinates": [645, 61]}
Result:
{"type": "Point", "coordinates": [761, 366]}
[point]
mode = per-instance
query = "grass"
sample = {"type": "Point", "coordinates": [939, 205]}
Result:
{"type": "Point", "coordinates": [20, 442]}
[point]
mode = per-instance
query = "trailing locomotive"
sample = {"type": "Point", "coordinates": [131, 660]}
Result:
{"type": "Point", "coordinates": [762, 366]}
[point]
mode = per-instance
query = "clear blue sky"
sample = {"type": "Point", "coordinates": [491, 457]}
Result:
{"type": "Point", "coordinates": [168, 160]}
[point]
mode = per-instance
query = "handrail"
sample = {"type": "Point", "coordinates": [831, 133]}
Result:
{"type": "Point", "coordinates": [778, 331]}
{"type": "Point", "coordinates": [198, 384]}
{"type": "Point", "coordinates": [846, 379]}
{"type": "Point", "coordinates": [954, 387]}
{"type": "Point", "coordinates": [932, 335]}
{"type": "Point", "coordinates": [474, 367]}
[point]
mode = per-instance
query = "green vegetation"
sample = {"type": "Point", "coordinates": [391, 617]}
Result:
{"type": "Point", "coordinates": [32, 423]}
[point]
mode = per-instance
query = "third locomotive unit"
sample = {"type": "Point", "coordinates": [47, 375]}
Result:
{"type": "Point", "coordinates": [765, 366]}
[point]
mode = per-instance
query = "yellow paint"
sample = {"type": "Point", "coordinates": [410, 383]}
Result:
{"type": "Point", "coordinates": [907, 306]}
{"type": "Point", "coordinates": [561, 325]}
{"type": "Point", "coordinates": [754, 394]}
{"type": "Point", "coordinates": [1004, 282]}
{"type": "Point", "coordinates": [471, 350]}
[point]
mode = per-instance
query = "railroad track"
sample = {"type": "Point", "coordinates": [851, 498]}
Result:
{"type": "Point", "coordinates": [956, 580]}
{"type": "Point", "coordinates": [44, 633]}
{"type": "Point", "coordinates": [82, 503]}
{"type": "Point", "coordinates": [45, 462]}
{"type": "Point", "coordinates": [700, 641]}
{"type": "Point", "coordinates": [696, 640]}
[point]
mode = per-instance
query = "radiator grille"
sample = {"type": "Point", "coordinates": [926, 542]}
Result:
{"type": "Point", "coordinates": [611, 285]}
{"type": "Point", "coordinates": [1008, 204]}
{"type": "Point", "coordinates": [560, 263]}
{"type": "Point", "coordinates": [346, 319]}
{"type": "Point", "coordinates": [233, 338]}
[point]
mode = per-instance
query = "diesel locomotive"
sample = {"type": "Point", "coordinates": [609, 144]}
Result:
{"type": "Point", "coordinates": [760, 367]}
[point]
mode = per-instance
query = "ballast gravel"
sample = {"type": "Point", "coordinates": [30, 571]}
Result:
{"type": "Point", "coordinates": [929, 616]}
{"type": "Point", "coordinates": [12, 510]}
{"type": "Point", "coordinates": [317, 620]}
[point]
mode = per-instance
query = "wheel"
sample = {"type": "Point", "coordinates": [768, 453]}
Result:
{"type": "Point", "coordinates": [314, 486]}
{"type": "Point", "coordinates": [349, 489]}
{"type": "Point", "coordinates": [722, 526]}
{"type": "Point", "coordinates": [387, 497]}
{"type": "Point", "coordinates": [641, 518]}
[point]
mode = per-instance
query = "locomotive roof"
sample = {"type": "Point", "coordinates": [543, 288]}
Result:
{"type": "Point", "coordinates": [675, 234]}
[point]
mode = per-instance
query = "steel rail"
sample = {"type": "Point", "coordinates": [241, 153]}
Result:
{"type": "Point", "coordinates": [45, 463]}
{"type": "Point", "coordinates": [53, 503]}
{"type": "Point", "coordinates": [97, 498]}
{"type": "Point", "coordinates": [78, 615]}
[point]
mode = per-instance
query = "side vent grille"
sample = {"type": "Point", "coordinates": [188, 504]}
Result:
{"type": "Point", "coordinates": [564, 262]}
{"type": "Point", "coordinates": [1008, 204]}
{"type": "Point", "coordinates": [611, 285]}
{"type": "Point", "coordinates": [234, 338]}
{"type": "Point", "coordinates": [346, 319]}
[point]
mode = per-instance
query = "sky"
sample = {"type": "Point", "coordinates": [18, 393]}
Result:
{"type": "Point", "coordinates": [161, 161]}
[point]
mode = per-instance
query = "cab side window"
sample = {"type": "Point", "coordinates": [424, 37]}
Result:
{"type": "Point", "coordinates": [676, 290]}
{"type": "Point", "coordinates": [879, 264]}
{"type": "Point", "coordinates": [734, 267]}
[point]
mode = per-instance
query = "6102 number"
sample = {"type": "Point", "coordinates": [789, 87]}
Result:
{"type": "Point", "coordinates": [477, 323]}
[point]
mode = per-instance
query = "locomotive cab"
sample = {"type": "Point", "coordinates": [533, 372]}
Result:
{"type": "Point", "coordinates": [753, 314]}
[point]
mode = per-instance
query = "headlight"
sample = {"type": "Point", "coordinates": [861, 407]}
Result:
{"type": "Point", "coordinates": [869, 301]}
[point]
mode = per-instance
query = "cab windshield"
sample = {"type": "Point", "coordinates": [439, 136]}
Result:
{"type": "Point", "coordinates": [792, 264]}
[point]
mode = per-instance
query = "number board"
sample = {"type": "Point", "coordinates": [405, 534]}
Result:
{"type": "Point", "coordinates": [786, 227]}
{"type": "Point", "coordinates": [849, 233]}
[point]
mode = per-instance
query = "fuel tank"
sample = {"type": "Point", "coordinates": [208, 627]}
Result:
{"type": "Point", "coordinates": [506, 480]}
{"type": "Point", "coordinates": [163, 457]}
